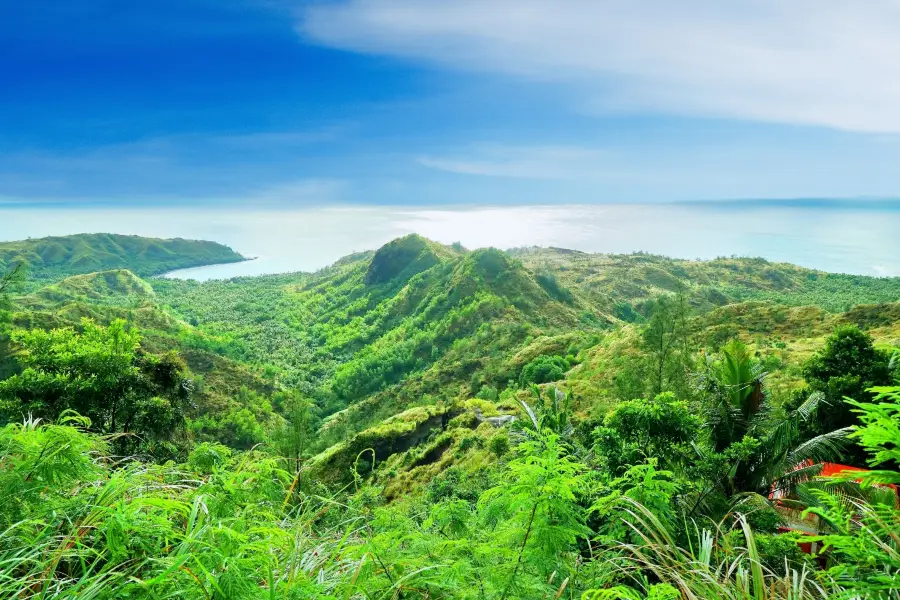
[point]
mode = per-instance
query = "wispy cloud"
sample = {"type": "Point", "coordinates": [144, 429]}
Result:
{"type": "Point", "coordinates": [259, 165]}
{"type": "Point", "coordinates": [523, 162]}
{"type": "Point", "coordinates": [817, 62]}
{"type": "Point", "coordinates": [300, 193]}
{"type": "Point", "coordinates": [294, 194]}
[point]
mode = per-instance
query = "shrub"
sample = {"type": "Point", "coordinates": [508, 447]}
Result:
{"type": "Point", "coordinates": [499, 444]}
{"type": "Point", "coordinates": [207, 457]}
{"type": "Point", "coordinates": [625, 311]}
{"type": "Point", "coordinates": [778, 550]}
{"type": "Point", "coordinates": [550, 284]}
{"type": "Point", "coordinates": [488, 392]}
{"type": "Point", "coordinates": [544, 369]}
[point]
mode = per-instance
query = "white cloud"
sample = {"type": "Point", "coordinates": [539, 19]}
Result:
{"type": "Point", "coordinates": [821, 62]}
{"type": "Point", "coordinates": [525, 162]}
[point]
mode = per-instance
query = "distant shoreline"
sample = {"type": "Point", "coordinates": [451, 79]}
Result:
{"type": "Point", "coordinates": [243, 259]}
{"type": "Point", "coordinates": [853, 239]}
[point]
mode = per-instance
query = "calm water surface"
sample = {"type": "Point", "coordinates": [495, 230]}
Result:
{"type": "Point", "coordinates": [841, 238]}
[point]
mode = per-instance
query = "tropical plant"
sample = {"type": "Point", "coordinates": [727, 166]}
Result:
{"type": "Point", "coordinates": [536, 513]}
{"type": "Point", "coordinates": [757, 446]}
{"type": "Point", "coordinates": [846, 367]}
{"type": "Point", "coordinates": [635, 431]}
{"type": "Point", "coordinates": [861, 542]}
{"type": "Point", "coordinates": [104, 376]}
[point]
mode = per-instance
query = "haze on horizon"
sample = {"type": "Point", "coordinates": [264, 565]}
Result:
{"type": "Point", "coordinates": [410, 102]}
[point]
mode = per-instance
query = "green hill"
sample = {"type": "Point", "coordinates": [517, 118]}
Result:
{"type": "Point", "coordinates": [416, 324]}
{"type": "Point", "coordinates": [426, 421]}
{"type": "Point", "coordinates": [383, 329]}
{"type": "Point", "coordinates": [104, 287]}
{"type": "Point", "coordinates": [53, 258]}
{"type": "Point", "coordinates": [622, 283]}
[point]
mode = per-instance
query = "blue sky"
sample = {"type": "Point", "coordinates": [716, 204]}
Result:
{"type": "Point", "coordinates": [426, 102]}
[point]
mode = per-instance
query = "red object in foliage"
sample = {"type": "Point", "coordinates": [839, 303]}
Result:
{"type": "Point", "coordinates": [809, 525]}
{"type": "Point", "coordinates": [829, 469]}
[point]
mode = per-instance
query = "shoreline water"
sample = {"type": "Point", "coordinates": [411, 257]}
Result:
{"type": "Point", "coordinates": [173, 274]}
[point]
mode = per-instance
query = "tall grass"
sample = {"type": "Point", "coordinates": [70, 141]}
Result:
{"type": "Point", "coordinates": [75, 525]}
{"type": "Point", "coordinates": [711, 565]}
{"type": "Point", "coordinates": [157, 532]}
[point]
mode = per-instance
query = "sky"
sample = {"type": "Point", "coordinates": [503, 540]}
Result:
{"type": "Point", "coordinates": [446, 102]}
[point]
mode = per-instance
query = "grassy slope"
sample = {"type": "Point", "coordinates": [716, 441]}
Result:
{"type": "Point", "coordinates": [54, 258]}
{"type": "Point", "coordinates": [604, 280]}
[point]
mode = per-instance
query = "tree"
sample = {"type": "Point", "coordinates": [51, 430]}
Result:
{"type": "Point", "coordinates": [665, 341]}
{"type": "Point", "coordinates": [638, 430]}
{"type": "Point", "coordinates": [544, 369]}
{"type": "Point", "coordinates": [846, 367]}
{"type": "Point", "coordinates": [734, 393]}
{"type": "Point", "coordinates": [7, 282]}
{"type": "Point", "coordinates": [294, 438]}
{"type": "Point", "coordinates": [100, 373]}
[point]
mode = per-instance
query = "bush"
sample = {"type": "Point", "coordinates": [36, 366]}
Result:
{"type": "Point", "coordinates": [488, 392]}
{"type": "Point", "coordinates": [625, 311]}
{"type": "Point", "coordinates": [776, 550]}
{"type": "Point", "coordinates": [550, 284]}
{"type": "Point", "coordinates": [499, 444]}
{"type": "Point", "coordinates": [662, 428]}
{"type": "Point", "coordinates": [207, 457]}
{"type": "Point", "coordinates": [470, 441]}
{"type": "Point", "coordinates": [544, 369]}
{"type": "Point", "coordinates": [456, 482]}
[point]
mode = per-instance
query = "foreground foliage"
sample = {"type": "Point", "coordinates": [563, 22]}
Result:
{"type": "Point", "coordinates": [77, 525]}
{"type": "Point", "coordinates": [102, 374]}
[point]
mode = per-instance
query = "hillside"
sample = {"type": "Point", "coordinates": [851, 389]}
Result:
{"type": "Point", "coordinates": [380, 332]}
{"type": "Point", "coordinates": [421, 324]}
{"type": "Point", "coordinates": [427, 421]}
{"type": "Point", "coordinates": [52, 258]}
{"type": "Point", "coordinates": [621, 284]}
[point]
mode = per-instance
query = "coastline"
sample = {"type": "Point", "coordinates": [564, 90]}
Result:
{"type": "Point", "coordinates": [169, 274]}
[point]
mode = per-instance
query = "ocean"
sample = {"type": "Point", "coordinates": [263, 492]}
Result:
{"type": "Point", "coordinates": [859, 237]}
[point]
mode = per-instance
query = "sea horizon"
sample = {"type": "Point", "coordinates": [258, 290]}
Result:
{"type": "Point", "coordinates": [834, 235]}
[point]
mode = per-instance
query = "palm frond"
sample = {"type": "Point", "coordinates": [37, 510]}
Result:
{"type": "Point", "coordinates": [811, 405]}
{"type": "Point", "coordinates": [535, 422]}
{"type": "Point", "coordinates": [827, 447]}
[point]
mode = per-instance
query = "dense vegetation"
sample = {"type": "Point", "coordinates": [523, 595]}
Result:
{"type": "Point", "coordinates": [425, 421]}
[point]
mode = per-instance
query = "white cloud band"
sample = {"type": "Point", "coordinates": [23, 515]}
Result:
{"type": "Point", "coordinates": [834, 63]}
